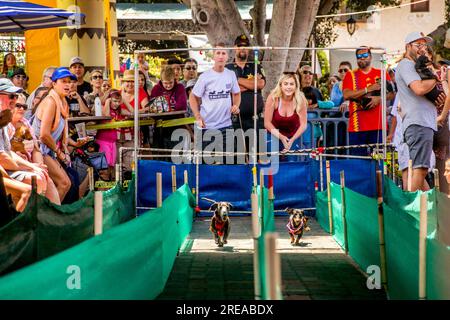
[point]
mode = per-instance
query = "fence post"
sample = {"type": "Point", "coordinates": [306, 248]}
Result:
{"type": "Point", "coordinates": [321, 171]}
{"type": "Point", "coordinates": [410, 174]}
{"type": "Point", "coordinates": [330, 213]}
{"type": "Point", "coordinates": [423, 247]}
{"type": "Point", "coordinates": [117, 173]}
{"type": "Point", "coordinates": [90, 172]}
{"type": "Point", "coordinates": [256, 228]}
{"type": "Point", "coordinates": [174, 179]}
{"type": "Point", "coordinates": [381, 230]}
{"type": "Point", "coordinates": [186, 179]}
{"type": "Point", "coordinates": [436, 179]}
{"type": "Point", "coordinates": [158, 189]}
{"type": "Point", "coordinates": [273, 267]}
{"type": "Point", "coordinates": [98, 213]}
{"type": "Point", "coordinates": [344, 206]}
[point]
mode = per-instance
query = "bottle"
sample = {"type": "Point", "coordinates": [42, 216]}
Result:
{"type": "Point", "coordinates": [98, 107]}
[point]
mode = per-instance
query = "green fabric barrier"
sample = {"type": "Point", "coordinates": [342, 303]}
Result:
{"type": "Point", "coordinates": [266, 214]}
{"type": "Point", "coordinates": [129, 261]}
{"type": "Point", "coordinates": [401, 223]}
{"type": "Point", "coordinates": [322, 210]}
{"type": "Point", "coordinates": [44, 228]}
{"type": "Point", "coordinates": [362, 229]}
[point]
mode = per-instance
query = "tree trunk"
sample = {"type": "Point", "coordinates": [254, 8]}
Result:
{"type": "Point", "coordinates": [305, 14]}
{"type": "Point", "coordinates": [258, 14]}
{"type": "Point", "coordinates": [220, 19]}
{"type": "Point", "coordinates": [279, 36]}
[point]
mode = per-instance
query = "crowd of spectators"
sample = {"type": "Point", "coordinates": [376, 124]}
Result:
{"type": "Point", "coordinates": [37, 138]}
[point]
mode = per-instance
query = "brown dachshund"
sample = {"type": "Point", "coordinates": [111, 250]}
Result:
{"type": "Point", "coordinates": [22, 133]}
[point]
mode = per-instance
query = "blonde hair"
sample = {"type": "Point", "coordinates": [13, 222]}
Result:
{"type": "Point", "coordinates": [167, 73]}
{"type": "Point", "coordinates": [299, 97]}
{"type": "Point", "coordinates": [95, 72]}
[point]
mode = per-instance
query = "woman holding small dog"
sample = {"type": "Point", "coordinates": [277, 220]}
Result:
{"type": "Point", "coordinates": [285, 114]}
{"type": "Point", "coordinates": [30, 147]}
{"type": "Point", "coordinates": [50, 125]}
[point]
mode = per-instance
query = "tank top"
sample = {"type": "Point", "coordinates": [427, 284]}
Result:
{"type": "Point", "coordinates": [287, 126]}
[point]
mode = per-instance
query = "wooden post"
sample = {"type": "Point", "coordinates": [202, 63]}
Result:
{"type": "Point", "coordinates": [256, 226]}
{"type": "Point", "coordinates": [330, 213]}
{"type": "Point", "coordinates": [98, 212]}
{"type": "Point", "coordinates": [186, 179]}
{"type": "Point", "coordinates": [174, 179]}
{"type": "Point", "coordinates": [256, 274]}
{"type": "Point", "coordinates": [159, 189]}
{"type": "Point", "coordinates": [321, 171]}
{"type": "Point", "coordinates": [273, 267]}
{"type": "Point", "coordinates": [33, 183]}
{"type": "Point", "coordinates": [270, 186]}
{"type": "Point", "coordinates": [255, 179]}
{"type": "Point", "coordinates": [423, 247]}
{"type": "Point", "coordinates": [261, 188]}
{"type": "Point", "coordinates": [381, 230]}
{"type": "Point", "coordinates": [393, 163]}
{"type": "Point", "coordinates": [117, 174]}
{"type": "Point", "coordinates": [343, 206]}
{"type": "Point", "coordinates": [90, 172]}
{"type": "Point", "coordinates": [410, 175]}
{"type": "Point", "coordinates": [436, 179]}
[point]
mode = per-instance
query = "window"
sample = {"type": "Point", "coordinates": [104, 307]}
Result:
{"type": "Point", "coordinates": [421, 6]}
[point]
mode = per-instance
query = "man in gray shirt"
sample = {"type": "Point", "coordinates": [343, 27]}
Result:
{"type": "Point", "coordinates": [418, 114]}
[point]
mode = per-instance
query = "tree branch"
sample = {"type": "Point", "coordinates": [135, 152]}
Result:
{"type": "Point", "coordinates": [258, 14]}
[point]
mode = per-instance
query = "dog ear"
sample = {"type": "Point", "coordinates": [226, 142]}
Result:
{"type": "Point", "coordinates": [290, 211]}
{"type": "Point", "coordinates": [213, 207]}
{"type": "Point", "coordinates": [229, 205]}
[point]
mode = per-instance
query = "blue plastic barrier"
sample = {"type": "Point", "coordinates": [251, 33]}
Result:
{"type": "Point", "coordinates": [293, 184]}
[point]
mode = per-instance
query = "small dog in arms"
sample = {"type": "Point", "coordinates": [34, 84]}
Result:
{"type": "Point", "coordinates": [220, 222]}
{"type": "Point", "coordinates": [298, 223]}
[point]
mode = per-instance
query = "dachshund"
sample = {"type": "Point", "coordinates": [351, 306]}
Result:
{"type": "Point", "coordinates": [422, 66]}
{"type": "Point", "coordinates": [298, 223]}
{"type": "Point", "coordinates": [220, 222]}
{"type": "Point", "coordinates": [22, 133]}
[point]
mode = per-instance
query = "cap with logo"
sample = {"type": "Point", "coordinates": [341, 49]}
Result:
{"type": "Point", "coordinates": [242, 41]}
{"type": "Point", "coordinates": [416, 35]}
{"type": "Point", "coordinates": [6, 85]}
{"type": "Point", "coordinates": [76, 60]}
{"type": "Point", "coordinates": [63, 72]}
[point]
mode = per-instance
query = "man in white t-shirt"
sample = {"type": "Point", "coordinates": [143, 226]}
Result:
{"type": "Point", "coordinates": [216, 95]}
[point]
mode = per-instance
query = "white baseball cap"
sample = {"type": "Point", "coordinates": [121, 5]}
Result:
{"type": "Point", "coordinates": [416, 35]}
{"type": "Point", "coordinates": [7, 86]}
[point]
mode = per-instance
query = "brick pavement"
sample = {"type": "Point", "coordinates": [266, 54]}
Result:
{"type": "Point", "coordinates": [316, 270]}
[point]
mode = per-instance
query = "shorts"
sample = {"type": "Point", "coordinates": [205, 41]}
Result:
{"type": "Point", "coordinates": [420, 144]}
{"type": "Point", "coordinates": [20, 175]}
{"type": "Point", "coordinates": [109, 148]}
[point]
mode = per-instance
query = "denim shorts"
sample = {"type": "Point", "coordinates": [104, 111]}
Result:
{"type": "Point", "coordinates": [420, 144]}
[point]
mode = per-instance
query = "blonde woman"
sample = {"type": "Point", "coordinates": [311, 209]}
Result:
{"type": "Point", "coordinates": [285, 113]}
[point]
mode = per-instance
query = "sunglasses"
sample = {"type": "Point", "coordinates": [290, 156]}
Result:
{"type": "Point", "coordinates": [363, 55]}
{"type": "Point", "coordinates": [307, 73]}
{"type": "Point", "coordinates": [23, 106]}
{"type": "Point", "coordinates": [21, 77]}
{"type": "Point", "coordinates": [343, 70]}
{"type": "Point", "coordinates": [11, 96]}
{"type": "Point", "coordinates": [191, 68]}
{"type": "Point", "coordinates": [97, 77]}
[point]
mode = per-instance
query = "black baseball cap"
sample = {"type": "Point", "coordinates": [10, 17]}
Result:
{"type": "Point", "coordinates": [242, 41]}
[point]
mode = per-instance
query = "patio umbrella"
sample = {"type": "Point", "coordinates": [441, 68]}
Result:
{"type": "Point", "coordinates": [18, 15]}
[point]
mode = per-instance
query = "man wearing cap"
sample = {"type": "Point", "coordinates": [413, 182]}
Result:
{"type": "Point", "coordinates": [16, 167]}
{"type": "Point", "coordinates": [419, 114]}
{"type": "Point", "coordinates": [19, 78]}
{"type": "Point", "coordinates": [77, 68]}
{"type": "Point", "coordinates": [189, 71]}
{"type": "Point", "coordinates": [362, 87]}
{"type": "Point", "coordinates": [245, 73]}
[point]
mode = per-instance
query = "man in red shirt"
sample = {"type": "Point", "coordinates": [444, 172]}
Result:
{"type": "Point", "coordinates": [363, 88]}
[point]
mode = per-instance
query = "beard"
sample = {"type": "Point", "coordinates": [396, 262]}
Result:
{"type": "Point", "coordinates": [363, 64]}
{"type": "Point", "coordinates": [242, 55]}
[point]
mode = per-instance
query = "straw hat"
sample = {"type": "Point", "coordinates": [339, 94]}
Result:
{"type": "Point", "coordinates": [128, 75]}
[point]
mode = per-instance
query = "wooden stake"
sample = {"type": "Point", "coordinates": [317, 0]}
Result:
{"type": "Point", "coordinates": [330, 213]}
{"type": "Point", "coordinates": [321, 171]}
{"type": "Point", "coordinates": [174, 179]}
{"type": "Point", "coordinates": [273, 267]}
{"type": "Point", "coordinates": [381, 230]}
{"type": "Point", "coordinates": [255, 218]}
{"type": "Point", "coordinates": [98, 212]}
{"type": "Point", "coordinates": [410, 175]}
{"type": "Point", "coordinates": [343, 206]}
{"type": "Point", "coordinates": [423, 247]}
{"type": "Point", "coordinates": [186, 179]}
{"type": "Point", "coordinates": [256, 274]}
{"type": "Point", "coordinates": [270, 186]}
{"type": "Point", "coordinates": [90, 172]}
{"type": "Point", "coordinates": [117, 175]}
{"type": "Point", "coordinates": [159, 189]}
{"type": "Point", "coordinates": [436, 179]}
